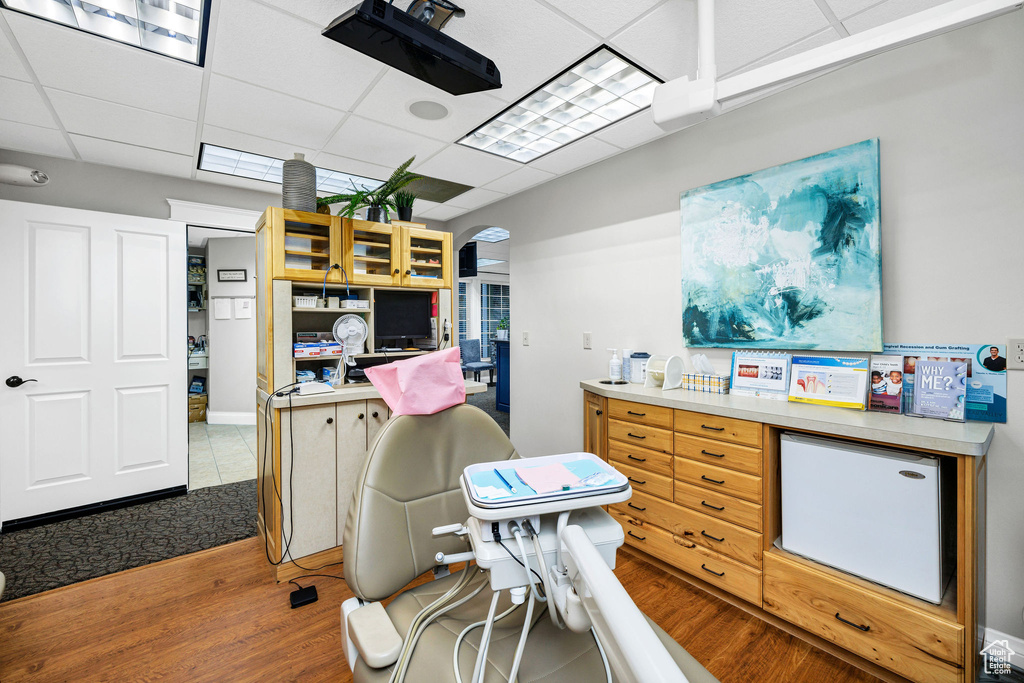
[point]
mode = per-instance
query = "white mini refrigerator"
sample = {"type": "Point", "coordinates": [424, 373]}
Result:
{"type": "Point", "coordinates": [869, 511]}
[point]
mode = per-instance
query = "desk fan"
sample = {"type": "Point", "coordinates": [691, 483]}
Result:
{"type": "Point", "coordinates": [351, 332]}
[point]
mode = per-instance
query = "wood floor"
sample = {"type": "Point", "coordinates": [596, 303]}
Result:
{"type": "Point", "coordinates": [218, 616]}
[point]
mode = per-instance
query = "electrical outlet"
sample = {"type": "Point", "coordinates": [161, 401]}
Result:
{"type": "Point", "coordinates": [587, 340]}
{"type": "Point", "coordinates": [526, 338]}
{"type": "Point", "coordinates": [1015, 354]}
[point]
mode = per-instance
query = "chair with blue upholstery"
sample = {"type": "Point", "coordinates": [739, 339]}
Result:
{"type": "Point", "coordinates": [470, 350]}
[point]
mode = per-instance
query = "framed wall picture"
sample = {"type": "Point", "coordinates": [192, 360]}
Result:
{"type": "Point", "coordinates": [233, 275]}
{"type": "Point", "coordinates": [788, 257]}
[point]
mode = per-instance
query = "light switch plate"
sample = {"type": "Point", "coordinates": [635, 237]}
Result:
{"type": "Point", "coordinates": [587, 340]}
{"type": "Point", "coordinates": [526, 338]}
{"type": "Point", "coordinates": [1015, 354]}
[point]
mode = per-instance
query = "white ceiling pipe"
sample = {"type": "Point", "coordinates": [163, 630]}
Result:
{"type": "Point", "coordinates": [682, 102]}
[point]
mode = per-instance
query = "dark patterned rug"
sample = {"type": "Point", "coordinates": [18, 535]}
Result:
{"type": "Point", "coordinates": [485, 401]}
{"type": "Point", "coordinates": [58, 554]}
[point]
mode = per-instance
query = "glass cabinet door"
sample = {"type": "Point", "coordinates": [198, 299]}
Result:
{"type": "Point", "coordinates": [305, 245]}
{"type": "Point", "coordinates": [371, 253]}
{"type": "Point", "coordinates": [426, 256]}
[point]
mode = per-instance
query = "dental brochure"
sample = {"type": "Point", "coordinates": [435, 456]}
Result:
{"type": "Point", "coordinates": [940, 389]}
{"type": "Point", "coordinates": [760, 374]}
{"type": "Point", "coordinates": [986, 375]}
{"type": "Point", "coordinates": [829, 381]}
{"type": "Point", "coordinates": [887, 382]}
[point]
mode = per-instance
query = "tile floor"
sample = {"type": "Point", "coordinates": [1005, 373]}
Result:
{"type": "Point", "coordinates": [220, 454]}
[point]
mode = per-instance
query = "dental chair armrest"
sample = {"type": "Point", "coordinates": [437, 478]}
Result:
{"type": "Point", "coordinates": [374, 636]}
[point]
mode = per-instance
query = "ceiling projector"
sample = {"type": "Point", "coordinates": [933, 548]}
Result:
{"type": "Point", "coordinates": [410, 42]}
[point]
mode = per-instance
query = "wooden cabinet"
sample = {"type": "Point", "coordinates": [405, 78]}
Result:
{"type": "Point", "coordinates": [595, 435]}
{"type": "Point", "coordinates": [372, 252]}
{"type": "Point", "coordinates": [426, 256]}
{"type": "Point", "coordinates": [301, 246]}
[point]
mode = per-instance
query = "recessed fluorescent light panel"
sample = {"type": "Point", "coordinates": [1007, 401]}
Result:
{"type": "Point", "coordinates": [484, 262]}
{"type": "Point", "coordinates": [258, 167]}
{"type": "Point", "coordinates": [602, 88]}
{"type": "Point", "coordinates": [491, 235]}
{"type": "Point", "coordinates": [176, 28]}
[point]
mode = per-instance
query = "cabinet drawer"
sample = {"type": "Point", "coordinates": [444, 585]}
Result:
{"type": "Point", "coordinates": [641, 413]}
{"type": "Point", "coordinates": [706, 565]}
{"type": "Point", "coordinates": [721, 428]}
{"type": "Point", "coordinates": [722, 453]}
{"type": "Point", "coordinates": [719, 505]}
{"type": "Point", "coordinates": [914, 644]}
{"type": "Point", "coordinates": [640, 435]}
{"type": "Point", "coordinates": [642, 458]}
{"type": "Point", "coordinates": [654, 484]}
{"type": "Point", "coordinates": [715, 478]}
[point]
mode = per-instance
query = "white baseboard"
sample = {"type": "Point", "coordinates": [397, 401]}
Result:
{"type": "Point", "coordinates": [1016, 644]}
{"type": "Point", "coordinates": [225, 418]}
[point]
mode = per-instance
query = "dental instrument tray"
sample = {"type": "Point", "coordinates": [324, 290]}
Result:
{"type": "Point", "coordinates": [551, 483]}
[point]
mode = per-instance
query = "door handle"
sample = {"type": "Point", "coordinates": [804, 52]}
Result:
{"type": "Point", "coordinates": [396, 271]}
{"type": "Point", "coordinates": [14, 381]}
{"type": "Point", "coordinates": [330, 420]}
{"type": "Point", "coordinates": [375, 413]}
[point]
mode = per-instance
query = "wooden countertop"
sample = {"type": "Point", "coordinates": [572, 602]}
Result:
{"type": "Point", "coordinates": [962, 438]}
{"type": "Point", "coordinates": [349, 392]}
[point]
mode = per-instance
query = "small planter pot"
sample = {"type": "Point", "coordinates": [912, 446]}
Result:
{"type": "Point", "coordinates": [405, 213]}
{"type": "Point", "coordinates": [377, 214]}
{"type": "Point", "coordinates": [501, 335]}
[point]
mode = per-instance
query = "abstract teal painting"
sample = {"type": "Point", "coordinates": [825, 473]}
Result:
{"type": "Point", "coordinates": [788, 257]}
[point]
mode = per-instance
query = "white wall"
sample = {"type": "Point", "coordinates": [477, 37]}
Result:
{"type": "Point", "coordinates": [949, 114]}
{"type": "Point", "coordinates": [232, 342]}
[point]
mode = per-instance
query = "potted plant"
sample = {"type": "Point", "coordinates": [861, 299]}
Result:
{"type": "Point", "coordinates": [502, 333]}
{"type": "Point", "coordinates": [378, 200]}
{"type": "Point", "coordinates": [403, 204]}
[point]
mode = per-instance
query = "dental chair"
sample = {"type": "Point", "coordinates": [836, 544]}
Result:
{"type": "Point", "coordinates": [409, 485]}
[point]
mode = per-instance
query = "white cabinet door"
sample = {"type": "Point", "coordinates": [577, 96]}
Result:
{"type": "Point", "coordinates": [94, 311]}
{"type": "Point", "coordinates": [308, 491]}
{"type": "Point", "coordinates": [352, 419]}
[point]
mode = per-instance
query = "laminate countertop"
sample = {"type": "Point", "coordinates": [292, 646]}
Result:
{"type": "Point", "coordinates": [348, 392]}
{"type": "Point", "coordinates": [961, 438]}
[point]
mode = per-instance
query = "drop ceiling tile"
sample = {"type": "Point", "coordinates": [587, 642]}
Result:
{"type": "Point", "coordinates": [256, 111]}
{"type": "Point", "coordinates": [603, 17]}
{"type": "Point", "coordinates": [129, 156]}
{"type": "Point", "coordinates": [370, 141]}
{"type": "Point", "coordinates": [825, 37]}
{"type": "Point", "coordinates": [244, 183]}
{"type": "Point", "coordinates": [232, 139]}
{"type": "Point", "coordinates": [390, 99]}
{"type": "Point", "coordinates": [319, 12]}
{"type": "Point", "coordinates": [353, 166]}
{"type": "Point", "coordinates": [475, 198]}
{"type": "Point", "coordinates": [443, 213]}
{"type": "Point", "coordinates": [747, 31]}
{"type": "Point", "coordinates": [10, 62]}
{"type": "Point", "coordinates": [22, 137]}
{"type": "Point", "coordinates": [527, 41]}
{"type": "Point", "coordinates": [298, 61]}
{"type": "Point", "coordinates": [886, 12]}
{"type": "Point", "coordinates": [664, 41]}
{"type": "Point", "coordinates": [67, 59]}
{"type": "Point", "coordinates": [21, 102]}
{"type": "Point", "coordinates": [466, 165]}
{"type": "Point", "coordinates": [99, 119]}
{"type": "Point", "coordinates": [519, 180]}
{"type": "Point", "coordinates": [577, 154]}
{"type": "Point", "coordinates": [633, 132]}
{"type": "Point", "coordinates": [844, 8]}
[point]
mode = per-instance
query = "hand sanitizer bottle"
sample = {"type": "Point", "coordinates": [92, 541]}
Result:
{"type": "Point", "coordinates": [615, 366]}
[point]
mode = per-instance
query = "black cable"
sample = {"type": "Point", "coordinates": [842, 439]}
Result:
{"type": "Point", "coordinates": [520, 562]}
{"type": "Point", "coordinates": [306, 576]}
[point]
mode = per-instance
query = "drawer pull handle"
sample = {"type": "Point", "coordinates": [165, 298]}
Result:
{"type": "Point", "coordinates": [630, 412]}
{"type": "Point", "coordinates": [850, 623]}
{"type": "Point", "coordinates": [639, 538]}
{"type": "Point", "coordinates": [635, 436]}
{"type": "Point", "coordinates": [709, 571]}
{"type": "Point", "coordinates": [713, 481]}
{"type": "Point", "coordinates": [707, 535]}
{"type": "Point", "coordinates": [375, 413]}
{"type": "Point", "coordinates": [360, 416]}
{"type": "Point", "coordinates": [714, 429]}
{"type": "Point", "coordinates": [705, 504]}
{"type": "Point", "coordinates": [637, 481]}
{"type": "Point", "coordinates": [636, 508]}
{"type": "Point", "coordinates": [633, 457]}
{"type": "Point", "coordinates": [713, 455]}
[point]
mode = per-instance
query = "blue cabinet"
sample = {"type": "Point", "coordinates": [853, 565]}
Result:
{"type": "Point", "coordinates": [501, 365]}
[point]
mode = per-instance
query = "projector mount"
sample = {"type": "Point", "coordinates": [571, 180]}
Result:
{"type": "Point", "coordinates": [434, 13]}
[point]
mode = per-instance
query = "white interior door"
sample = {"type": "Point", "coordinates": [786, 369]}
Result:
{"type": "Point", "coordinates": [93, 311]}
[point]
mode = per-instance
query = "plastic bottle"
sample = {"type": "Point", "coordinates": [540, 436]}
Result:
{"type": "Point", "coordinates": [615, 366]}
{"type": "Point", "coordinates": [626, 353]}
